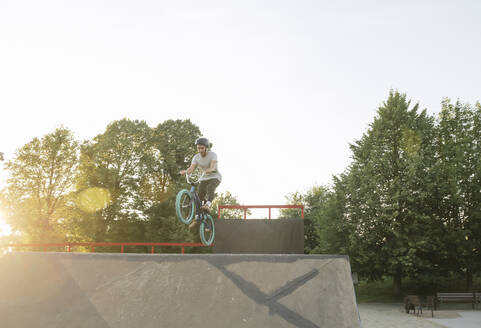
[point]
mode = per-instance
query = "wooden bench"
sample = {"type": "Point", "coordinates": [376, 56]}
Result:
{"type": "Point", "coordinates": [458, 297]}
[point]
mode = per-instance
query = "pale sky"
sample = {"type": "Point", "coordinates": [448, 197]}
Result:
{"type": "Point", "coordinates": [280, 87]}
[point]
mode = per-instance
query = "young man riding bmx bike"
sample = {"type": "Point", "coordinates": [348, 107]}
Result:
{"type": "Point", "coordinates": [206, 160]}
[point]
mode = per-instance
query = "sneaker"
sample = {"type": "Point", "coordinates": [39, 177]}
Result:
{"type": "Point", "coordinates": [193, 224]}
{"type": "Point", "coordinates": [205, 208]}
{"type": "Point", "coordinates": [195, 221]}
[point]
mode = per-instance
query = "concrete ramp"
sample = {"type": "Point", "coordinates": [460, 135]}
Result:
{"type": "Point", "coordinates": [163, 290]}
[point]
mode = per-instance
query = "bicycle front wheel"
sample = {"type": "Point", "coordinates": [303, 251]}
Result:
{"type": "Point", "coordinates": [184, 206]}
{"type": "Point", "coordinates": [207, 230]}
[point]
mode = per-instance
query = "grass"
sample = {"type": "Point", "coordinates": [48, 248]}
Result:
{"type": "Point", "coordinates": [375, 292]}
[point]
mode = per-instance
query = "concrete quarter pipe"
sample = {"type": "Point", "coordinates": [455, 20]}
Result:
{"type": "Point", "coordinates": [163, 290]}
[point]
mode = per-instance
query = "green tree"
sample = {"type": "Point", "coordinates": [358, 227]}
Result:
{"type": "Point", "coordinates": [173, 146]}
{"type": "Point", "coordinates": [109, 179]}
{"type": "Point", "coordinates": [332, 226]}
{"type": "Point", "coordinates": [458, 177]}
{"type": "Point", "coordinates": [137, 168]}
{"type": "Point", "coordinates": [387, 190]}
{"type": "Point", "coordinates": [226, 198]}
{"type": "Point", "coordinates": [41, 177]}
{"type": "Point", "coordinates": [410, 203]}
{"type": "Point", "coordinates": [314, 201]}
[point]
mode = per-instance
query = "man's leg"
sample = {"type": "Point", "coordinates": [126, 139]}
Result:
{"type": "Point", "coordinates": [203, 189]}
{"type": "Point", "coordinates": [202, 192]}
{"type": "Point", "coordinates": [210, 187]}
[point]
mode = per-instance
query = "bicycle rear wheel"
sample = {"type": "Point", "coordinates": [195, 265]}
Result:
{"type": "Point", "coordinates": [184, 206]}
{"type": "Point", "coordinates": [207, 230]}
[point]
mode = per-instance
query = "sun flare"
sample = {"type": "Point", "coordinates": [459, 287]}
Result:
{"type": "Point", "coordinates": [5, 229]}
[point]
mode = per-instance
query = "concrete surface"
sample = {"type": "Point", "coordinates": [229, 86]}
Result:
{"type": "Point", "coordinates": [461, 319]}
{"type": "Point", "coordinates": [377, 315]}
{"type": "Point", "coordinates": [160, 290]}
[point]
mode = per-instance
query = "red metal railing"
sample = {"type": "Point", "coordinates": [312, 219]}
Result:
{"type": "Point", "coordinates": [93, 245]}
{"type": "Point", "coordinates": [246, 207]}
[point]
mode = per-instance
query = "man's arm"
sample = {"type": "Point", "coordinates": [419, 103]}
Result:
{"type": "Point", "coordinates": [189, 170]}
{"type": "Point", "coordinates": [213, 167]}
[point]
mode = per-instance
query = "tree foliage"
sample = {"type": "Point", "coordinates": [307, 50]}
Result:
{"type": "Point", "coordinates": [409, 202]}
{"type": "Point", "coordinates": [118, 187]}
{"type": "Point", "coordinates": [227, 198]}
{"type": "Point", "coordinates": [458, 181]}
{"type": "Point", "coordinates": [41, 178]}
{"type": "Point", "coordinates": [138, 167]}
{"type": "Point", "coordinates": [313, 201]}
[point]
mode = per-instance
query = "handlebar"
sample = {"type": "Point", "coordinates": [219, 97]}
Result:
{"type": "Point", "coordinates": [187, 176]}
{"type": "Point", "coordinates": [192, 183]}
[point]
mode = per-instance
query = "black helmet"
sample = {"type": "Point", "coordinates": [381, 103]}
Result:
{"type": "Point", "coordinates": [202, 141]}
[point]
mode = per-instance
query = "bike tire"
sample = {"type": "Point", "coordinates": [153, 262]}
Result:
{"type": "Point", "coordinates": [207, 230]}
{"type": "Point", "coordinates": [184, 206]}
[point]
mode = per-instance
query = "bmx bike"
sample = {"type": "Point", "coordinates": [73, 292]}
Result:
{"type": "Point", "coordinates": [188, 208]}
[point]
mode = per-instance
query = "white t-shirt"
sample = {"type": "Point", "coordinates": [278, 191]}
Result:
{"type": "Point", "coordinates": [204, 163]}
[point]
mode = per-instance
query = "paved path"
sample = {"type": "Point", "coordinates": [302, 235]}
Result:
{"type": "Point", "coordinates": [375, 315]}
{"type": "Point", "coordinates": [465, 319]}
{"type": "Point", "coordinates": [392, 316]}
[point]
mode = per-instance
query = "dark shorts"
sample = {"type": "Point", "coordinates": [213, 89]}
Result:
{"type": "Point", "coordinates": [207, 189]}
